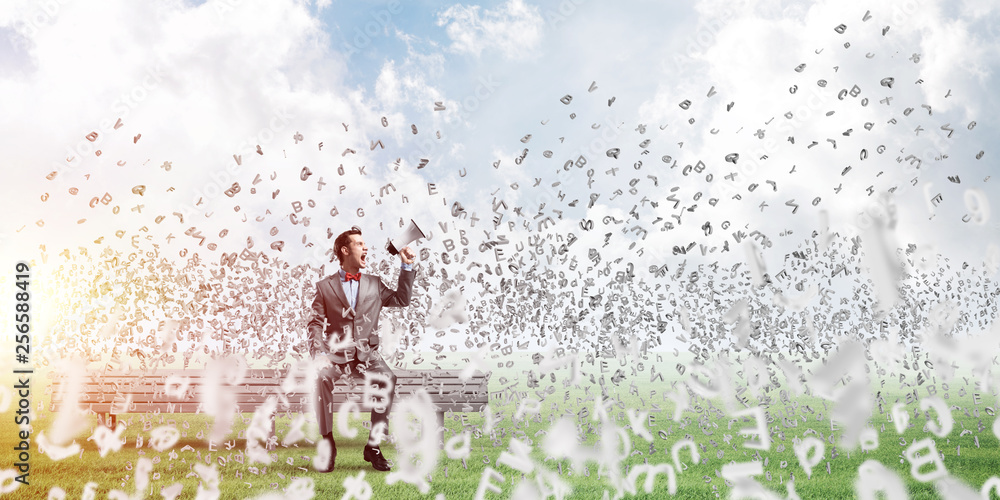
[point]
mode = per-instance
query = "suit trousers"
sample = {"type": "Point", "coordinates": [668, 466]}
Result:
{"type": "Point", "coordinates": [351, 374]}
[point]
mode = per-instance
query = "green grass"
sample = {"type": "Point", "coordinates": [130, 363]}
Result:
{"type": "Point", "coordinates": [972, 464]}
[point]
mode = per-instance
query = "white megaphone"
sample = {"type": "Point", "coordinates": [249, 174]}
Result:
{"type": "Point", "coordinates": [412, 233]}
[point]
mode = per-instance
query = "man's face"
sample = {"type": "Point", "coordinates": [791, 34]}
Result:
{"type": "Point", "coordinates": [354, 253]}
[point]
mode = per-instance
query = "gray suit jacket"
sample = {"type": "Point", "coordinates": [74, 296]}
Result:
{"type": "Point", "coordinates": [335, 322]}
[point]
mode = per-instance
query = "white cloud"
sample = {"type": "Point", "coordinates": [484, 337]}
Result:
{"type": "Point", "coordinates": [387, 86]}
{"type": "Point", "coordinates": [230, 80]}
{"type": "Point", "coordinates": [514, 29]}
{"type": "Point", "coordinates": [749, 54]}
{"type": "Point", "coordinates": [200, 84]}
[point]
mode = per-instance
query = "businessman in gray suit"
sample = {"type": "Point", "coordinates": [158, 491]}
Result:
{"type": "Point", "coordinates": [344, 331]}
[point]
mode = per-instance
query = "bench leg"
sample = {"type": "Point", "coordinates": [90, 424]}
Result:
{"type": "Point", "coordinates": [110, 420]}
{"type": "Point", "coordinates": [440, 428]}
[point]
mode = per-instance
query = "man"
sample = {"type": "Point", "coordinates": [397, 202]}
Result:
{"type": "Point", "coordinates": [344, 330]}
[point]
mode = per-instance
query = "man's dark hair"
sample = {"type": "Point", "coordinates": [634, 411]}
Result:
{"type": "Point", "coordinates": [343, 240]}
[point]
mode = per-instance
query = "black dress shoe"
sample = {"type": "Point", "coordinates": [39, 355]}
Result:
{"type": "Point", "coordinates": [333, 454]}
{"type": "Point", "coordinates": [374, 455]}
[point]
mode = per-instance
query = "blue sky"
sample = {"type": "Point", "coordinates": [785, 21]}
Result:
{"type": "Point", "coordinates": [598, 172]}
{"type": "Point", "coordinates": [198, 86]}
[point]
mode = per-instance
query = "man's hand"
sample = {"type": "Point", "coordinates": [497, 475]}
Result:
{"type": "Point", "coordinates": [407, 255]}
{"type": "Point", "coordinates": [322, 361]}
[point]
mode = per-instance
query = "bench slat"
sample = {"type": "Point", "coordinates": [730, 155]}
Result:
{"type": "Point", "coordinates": [107, 392]}
{"type": "Point", "coordinates": [182, 408]}
{"type": "Point", "coordinates": [261, 374]}
{"type": "Point", "coordinates": [254, 398]}
{"type": "Point", "coordinates": [152, 385]}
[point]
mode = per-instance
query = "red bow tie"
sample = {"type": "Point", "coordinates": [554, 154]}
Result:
{"type": "Point", "coordinates": [352, 277]}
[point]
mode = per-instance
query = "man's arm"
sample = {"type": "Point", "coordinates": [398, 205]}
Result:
{"type": "Point", "coordinates": [400, 297]}
{"type": "Point", "coordinates": [317, 325]}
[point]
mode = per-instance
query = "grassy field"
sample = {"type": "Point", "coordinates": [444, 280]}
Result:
{"type": "Point", "coordinates": [708, 423]}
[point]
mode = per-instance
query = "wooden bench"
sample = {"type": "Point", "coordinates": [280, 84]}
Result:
{"type": "Point", "coordinates": [110, 394]}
